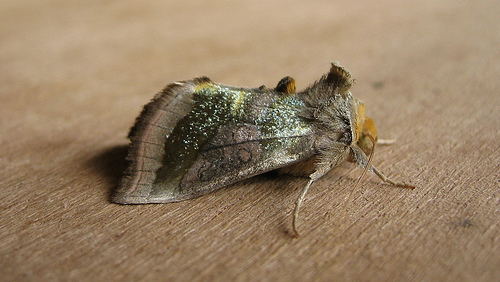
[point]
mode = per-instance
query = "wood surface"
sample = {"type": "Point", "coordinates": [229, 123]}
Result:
{"type": "Point", "coordinates": [75, 74]}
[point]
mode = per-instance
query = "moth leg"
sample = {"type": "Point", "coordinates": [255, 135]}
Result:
{"type": "Point", "coordinates": [286, 85]}
{"type": "Point", "coordinates": [360, 158]}
{"type": "Point", "coordinates": [313, 177]}
{"type": "Point", "coordinates": [390, 181]}
{"type": "Point", "coordinates": [335, 154]}
{"type": "Point", "coordinates": [297, 206]}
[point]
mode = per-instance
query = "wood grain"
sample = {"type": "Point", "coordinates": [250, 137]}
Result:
{"type": "Point", "coordinates": [75, 75]}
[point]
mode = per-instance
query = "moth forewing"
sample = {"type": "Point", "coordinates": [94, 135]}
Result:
{"type": "Point", "coordinates": [223, 134]}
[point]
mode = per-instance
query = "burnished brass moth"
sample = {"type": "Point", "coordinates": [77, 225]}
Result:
{"type": "Point", "coordinates": [197, 136]}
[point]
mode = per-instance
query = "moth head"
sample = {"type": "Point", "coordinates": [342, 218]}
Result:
{"type": "Point", "coordinates": [366, 132]}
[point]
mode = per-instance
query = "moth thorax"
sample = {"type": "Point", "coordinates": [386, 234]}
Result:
{"type": "Point", "coordinates": [365, 127]}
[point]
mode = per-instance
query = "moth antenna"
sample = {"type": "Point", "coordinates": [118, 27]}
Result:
{"type": "Point", "coordinates": [297, 207]}
{"type": "Point", "coordinates": [360, 178]}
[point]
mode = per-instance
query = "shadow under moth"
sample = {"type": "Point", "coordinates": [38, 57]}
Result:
{"type": "Point", "coordinates": [197, 136]}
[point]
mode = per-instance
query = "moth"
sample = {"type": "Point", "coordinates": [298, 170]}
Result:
{"type": "Point", "coordinates": [197, 136]}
